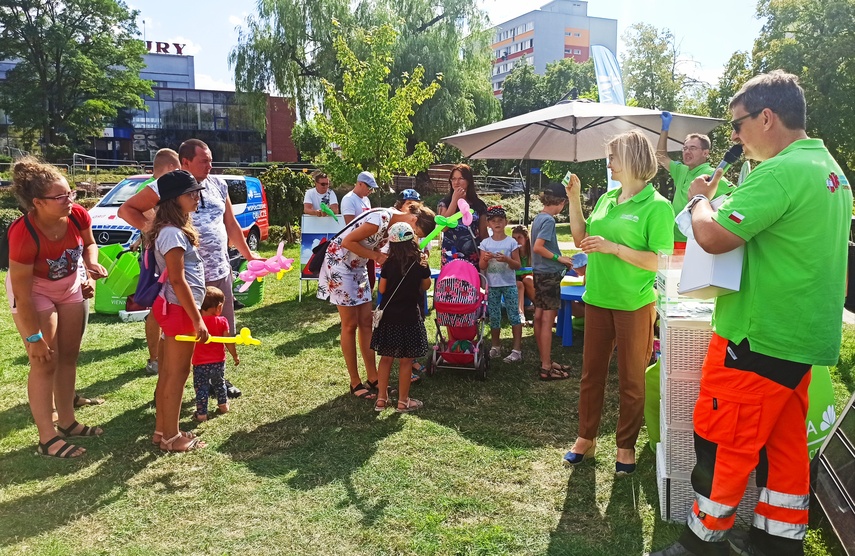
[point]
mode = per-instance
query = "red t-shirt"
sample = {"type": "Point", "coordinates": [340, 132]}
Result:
{"type": "Point", "coordinates": [52, 260]}
{"type": "Point", "coordinates": [214, 352]}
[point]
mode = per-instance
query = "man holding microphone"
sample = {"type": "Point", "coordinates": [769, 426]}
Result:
{"type": "Point", "coordinates": [792, 212]}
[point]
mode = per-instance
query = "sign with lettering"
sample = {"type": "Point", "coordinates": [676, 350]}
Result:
{"type": "Point", "coordinates": [157, 47]}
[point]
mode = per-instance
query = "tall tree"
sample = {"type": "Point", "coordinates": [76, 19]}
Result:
{"type": "Point", "coordinates": [813, 39]}
{"type": "Point", "coordinates": [652, 70]}
{"type": "Point", "coordinates": [288, 46]}
{"type": "Point", "coordinates": [78, 65]}
{"type": "Point", "coordinates": [522, 91]}
{"type": "Point", "coordinates": [366, 121]}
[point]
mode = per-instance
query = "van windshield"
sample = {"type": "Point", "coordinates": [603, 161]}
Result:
{"type": "Point", "coordinates": [123, 191]}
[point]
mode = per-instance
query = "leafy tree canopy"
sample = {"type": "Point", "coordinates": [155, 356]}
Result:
{"type": "Point", "coordinates": [78, 65]}
{"type": "Point", "coordinates": [365, 125]}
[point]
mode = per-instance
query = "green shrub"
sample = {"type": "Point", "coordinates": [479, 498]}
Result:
{"type": "Point", "coordinates": [285, 191]}
{"type": "Point", "coordinates": [87, 202]}
{"type": "Point", "coordinates": [8, 199]}
{"type": "Point", "coordinates": [276, 234]}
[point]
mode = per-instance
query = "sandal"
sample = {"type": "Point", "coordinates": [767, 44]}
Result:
{"type": "Point", "coordinates": [418, 367]}
{"type": "Point", "coordinates": [157, 436]}
{"type": "Point", "coordinates": [66, 452]}
{"type": "Point", "coordinates": [80, 401]}
{"type": "Point", "coordinates": [414, 378]}
{"type": "Point", "coordinates": [556, 366]}
{"type": "Point", "coordinates": [198, 417]}
{"type": "Point", "coordinates": [192, 443]}
{"type": "Point", "coordinates": [495, 352]}
{"type": "Point", "coordinates": [374, 386]}
{"type": "Point", "coordinates": [553, 374]}
{"type": "Point", "coordinates": [367, 393]}
{"type": "Point", "coordinates": [410, 405]}
{"type": "Point", "coordinates": [514, 357]}
{"type": "Point", "coordinates": [85, 431]}
{"type": "Point", "coordinates": [378, 408]}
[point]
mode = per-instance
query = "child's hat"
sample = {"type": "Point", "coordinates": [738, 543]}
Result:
{"type": "Point", "coordinates": [175, 184]}
{"type": "Point", "coordinates": [401, 231]}
{"type": "Point", "coordinates": [496, 212]}
{"type": "Point", "coordinates": [410, 195]}
{"type": "Point", "coordinates": [556, 190]}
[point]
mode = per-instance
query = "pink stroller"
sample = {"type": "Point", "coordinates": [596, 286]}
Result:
{"type": "Point", "coordinates": [460, 303]}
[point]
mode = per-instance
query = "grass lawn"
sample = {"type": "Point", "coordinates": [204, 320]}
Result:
{"type": "Point", "coordinates": [302, 467]}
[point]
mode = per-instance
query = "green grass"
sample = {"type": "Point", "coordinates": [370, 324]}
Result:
{"type": "Point", "coordinates": [301, 467]}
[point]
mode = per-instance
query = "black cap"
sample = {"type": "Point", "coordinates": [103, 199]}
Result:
{"type": "Point", "coordinates": [556, 190]}
{"type": "Point", "coordinates": [175, 184]}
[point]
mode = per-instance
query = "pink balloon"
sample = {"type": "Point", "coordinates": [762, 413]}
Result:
{"type": "Point", "coordinates": [467, 213]}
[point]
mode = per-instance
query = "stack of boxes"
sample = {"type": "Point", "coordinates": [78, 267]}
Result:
{"type": "Point", "coordinates": [684, 334]}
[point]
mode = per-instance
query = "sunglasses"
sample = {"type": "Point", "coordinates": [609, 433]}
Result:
{"type": "Point", "coordinates": [71, 195]}
{"type": "Point", "coordinates": [324, 183]}
{"type": "Point", "coordinates": [737, 123]}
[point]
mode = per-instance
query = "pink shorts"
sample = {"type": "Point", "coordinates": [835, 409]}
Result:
{"type": "Point", "coordinates": [47, 294]}
{"type": "Point", "coordinates": [173, 320]}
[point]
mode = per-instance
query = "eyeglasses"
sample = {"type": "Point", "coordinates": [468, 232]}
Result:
{"type": "Point", "coordinates": [71, 195]}
{"type": "Point", "coordinates": [196, 194]}
{"type": "Point", "coordinates": [737, 123]}
{"type": "Point", "coordinates": [324, 183]}
{"type": "Point", "coordinates": [691, 148]}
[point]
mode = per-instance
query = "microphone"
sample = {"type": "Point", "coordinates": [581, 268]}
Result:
{"type": "Point", "coordinates": [731, 156]}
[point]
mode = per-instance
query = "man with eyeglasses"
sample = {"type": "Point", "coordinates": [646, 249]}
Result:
{"type": "Point", "coordinates": [321, 193]}
{"type": "Point", "coordinates": [792, 212]}
{"type": "Point", "coordinates": [696, 152]}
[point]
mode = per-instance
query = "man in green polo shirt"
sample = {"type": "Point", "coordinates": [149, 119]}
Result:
{"type": "Point", "coordinates": [793, 215]}
{"type": "Point", "coordinates": [696, 153]}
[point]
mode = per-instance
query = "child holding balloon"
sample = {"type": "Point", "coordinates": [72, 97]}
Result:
{"type": "Point", "coordinates": [177, 307]}
{"type": "Point", "coordinates": [209, 359]}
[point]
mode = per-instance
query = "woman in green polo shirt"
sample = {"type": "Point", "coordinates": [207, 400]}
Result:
{"type": "Point", "coordinates": [622, 237]}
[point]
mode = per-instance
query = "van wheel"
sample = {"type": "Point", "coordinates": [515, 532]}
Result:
{"type": "Point", "coordinates": [253, 239]}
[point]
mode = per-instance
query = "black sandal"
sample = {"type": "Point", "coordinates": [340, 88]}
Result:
{"type": "Point", "coordinates": [85, 431]}
{"type": "Point", "coordinates": [367, 393]}
{"type": "Point", "coordinates": [553, 374]}
{"type": "Point", "coordinates": [66, 452]}
{"type": "Point", "coordinates": [374, 387]}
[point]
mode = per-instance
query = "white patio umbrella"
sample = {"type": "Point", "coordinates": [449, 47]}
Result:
{"type": "Point", "coordinates": [572, 131]}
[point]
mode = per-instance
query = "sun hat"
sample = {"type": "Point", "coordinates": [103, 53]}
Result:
{"type": "Point", "coordinates": [368, 179]}
{"type": "Point", "coordinates": [410, 195]}
{"type": "Point", "coordinates": [400, 232]}
{"type": "Point", "coordinates": [175, 184]}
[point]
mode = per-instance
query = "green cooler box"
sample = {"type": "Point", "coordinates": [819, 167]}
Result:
{"type": "Point", "coordinates": [123, 272]}
{"type": "Point", "coordinates": [255, 294]}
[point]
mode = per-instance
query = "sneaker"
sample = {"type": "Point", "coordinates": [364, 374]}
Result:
{"type": "Point", "coordinates": [151, 368]}
{"type": "Point", "coordinates": [740, 543]}
{"type": "Point", "coordinates": [675, 549]}
{"type": "Point", "coordinates": [232, 390]}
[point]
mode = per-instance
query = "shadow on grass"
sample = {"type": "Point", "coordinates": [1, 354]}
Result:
{"type": "Point", "coordinates": [325, 445]}
{"type": "Point", "coordinates": [91, 355]}
{"type": "Point", "coordinates": [118, 462]}
{"type": "Point", "coordinates": [19, 416]}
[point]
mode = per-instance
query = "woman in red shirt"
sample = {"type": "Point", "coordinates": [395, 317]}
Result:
{"type": "Point", "coordinates": [44, 291]}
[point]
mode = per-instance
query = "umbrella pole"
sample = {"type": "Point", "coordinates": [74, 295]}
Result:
{"type": "Point", "coordinates": [527, 193]}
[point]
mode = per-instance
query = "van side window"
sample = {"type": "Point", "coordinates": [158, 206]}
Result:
{"type": "Point", "coordinates": [237, 191]}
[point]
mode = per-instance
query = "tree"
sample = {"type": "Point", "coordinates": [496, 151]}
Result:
{"type": "Point", "coordinates": [814, 41]}
{"type": "Point", "coordinates": [288, 46]}
{"type": "Point", "coordinates": [367, 122]}
{"type": "Point", "coordinates": [522, 91]}
{"type": "Point", "coordinates": [78, 65]}
{"type": "Point", "coordinates": [652, 71]}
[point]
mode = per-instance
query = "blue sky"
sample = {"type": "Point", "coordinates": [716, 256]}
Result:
{"type": "Point", "coordinates": [707, 32]}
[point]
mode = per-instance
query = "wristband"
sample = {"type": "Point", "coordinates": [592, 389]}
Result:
{"type": "Point", "coordinates": [35, 337]}
{"type": "Point", "coordinates": [694, 201]}
{"type": "Point", "coordinates": [554, 256]}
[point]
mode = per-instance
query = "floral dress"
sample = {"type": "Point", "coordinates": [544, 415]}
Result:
{"type": "Point", "coordinates": [461, 242]}
{"type": "Point", "coordinates": [343, 278]}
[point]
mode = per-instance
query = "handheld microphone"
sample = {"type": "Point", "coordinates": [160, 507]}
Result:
{"type": "Point", "coordinates": [731, 156]}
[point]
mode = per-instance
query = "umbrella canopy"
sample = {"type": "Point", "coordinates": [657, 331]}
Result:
{"type": "Point", "coordinates": [572, 131]}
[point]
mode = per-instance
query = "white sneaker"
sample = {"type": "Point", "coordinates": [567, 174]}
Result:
{"type": "Point", "coordinates": [151, 368]}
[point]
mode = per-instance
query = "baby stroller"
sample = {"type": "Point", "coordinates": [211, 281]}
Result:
{"type": "Point", "coordinates": [460, 305]}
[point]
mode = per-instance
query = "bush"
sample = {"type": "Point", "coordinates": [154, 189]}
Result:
{"type": "Point", "coordinates": [7, 216]}
{"type": "Point", "coordinates": [285, 191]}
{"type": "Point", "coordinates": [88, 202]}
{"type": "Point", "coordinates": [276, 234]}
{"type": "Point", "coordinates": [8, 199]}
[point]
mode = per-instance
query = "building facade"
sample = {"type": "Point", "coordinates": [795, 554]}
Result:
{"type": "Point", "coordinates": [560, 29]}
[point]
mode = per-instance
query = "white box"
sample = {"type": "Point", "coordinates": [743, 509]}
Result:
{"type": "Point", "coordinates": [133, 316]}
{"type": "Point", "coordinates": [705, 275]}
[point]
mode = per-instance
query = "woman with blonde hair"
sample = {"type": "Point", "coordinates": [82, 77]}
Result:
{"type": "Point", "coordinates": [43, 286]}
{"type": "Point", "coordinates": [622, 237]}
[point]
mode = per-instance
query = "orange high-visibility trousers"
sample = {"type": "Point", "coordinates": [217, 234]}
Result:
{"type": "Point", "coordinates": [750, 414]}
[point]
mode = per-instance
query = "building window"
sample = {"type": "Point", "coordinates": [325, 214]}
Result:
{"type": "Point", "coordinates": [577, 51]}
{"type": "Point", "coordinates": [577, 34]}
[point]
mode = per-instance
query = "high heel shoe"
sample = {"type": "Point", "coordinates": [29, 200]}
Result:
{"type": "Point", "coordinates": [622, 469]}
{"type": "Point", "coordinates": [575, 458]}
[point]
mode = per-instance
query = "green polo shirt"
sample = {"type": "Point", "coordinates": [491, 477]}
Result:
{"type": "Point", "coordinates": [794, 212]}
{"type": "Point", "coordinates": [645, 223]}
{"type": "Point", "coordinates": [683, 177]}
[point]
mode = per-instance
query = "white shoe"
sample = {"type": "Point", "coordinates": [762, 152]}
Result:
{"type": "Point", "coordinates": [514, 357]}
{"type": "Point", "coordinates": [495, 352]}
{"type": "Point", "coordinates": [151, 368]}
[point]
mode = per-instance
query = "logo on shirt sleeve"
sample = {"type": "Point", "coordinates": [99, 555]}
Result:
{"type": "Point", "coordinates": [736, 217]}
{"type": "Point", "coordinates": [833, 182]}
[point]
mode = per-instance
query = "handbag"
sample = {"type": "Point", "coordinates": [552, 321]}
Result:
{"type": "Point", "coordinates": [377, 314]}
{"type": "Point", "coordinates": [319, 251]}
{"type": "Point", "coordinates": [150, 281]}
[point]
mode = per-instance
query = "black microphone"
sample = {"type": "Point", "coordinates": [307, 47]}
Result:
{"type": "Point", "coordinates": [731, 156]}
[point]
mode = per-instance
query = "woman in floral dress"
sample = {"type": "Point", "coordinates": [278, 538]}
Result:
{"type": "Point", "coordinates": [343, 280]}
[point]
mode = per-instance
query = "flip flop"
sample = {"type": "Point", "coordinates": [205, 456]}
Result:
{"type": "Point", "coordinates": [80, 401]}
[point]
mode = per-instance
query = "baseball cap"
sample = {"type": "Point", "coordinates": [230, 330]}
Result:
{"type": "Point", "coordinates": [410, 195]}
{"type": "Point", "coordinates": [368, 179]}
{"type": "Point", "coordinates": [556, 190]}
{"type": "Point", "coordinates": [401, 231]}
{"type": "Point", "coordinates": [496, 211]}
{"type": "Point", "coordinates": [175, 184]}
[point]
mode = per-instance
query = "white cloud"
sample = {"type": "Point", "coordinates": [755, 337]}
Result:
{"type": "Point", "coordinates": [208, 83]}
{"type": "Point", "coordinates": [236, 20]}
{"type": "Point", "coordinates": [190, 48]}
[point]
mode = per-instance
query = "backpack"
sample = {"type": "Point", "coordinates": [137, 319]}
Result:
{"type": "Point", "coordinates": [150, 282]}
{"type": "Point", "coordinates": [32, 230]}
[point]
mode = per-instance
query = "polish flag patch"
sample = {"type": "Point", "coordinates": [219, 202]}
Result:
{"type": "Point", "coordinates": [736, 217]}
